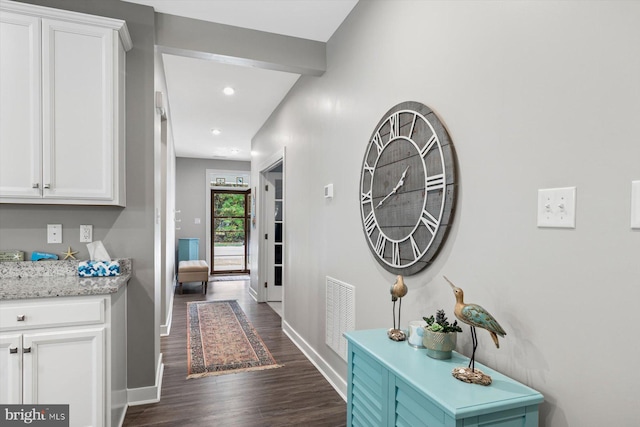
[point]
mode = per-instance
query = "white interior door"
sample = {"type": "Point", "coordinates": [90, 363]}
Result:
{"type": "Point", "coordinates": [275, 234]}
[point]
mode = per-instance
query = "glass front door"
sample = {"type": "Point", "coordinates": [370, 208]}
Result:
{"type": "Point", "coordinates": [230, 218]}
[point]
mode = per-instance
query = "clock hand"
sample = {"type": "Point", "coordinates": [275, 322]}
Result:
{"type": "Point", "coordinates": [401, 182]}
{"type": "Point", "coordinates": [387, 196]}
{"type": "Point", "coordinates": [395, 189]}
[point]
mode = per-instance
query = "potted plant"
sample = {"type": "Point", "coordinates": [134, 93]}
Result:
{"type": "Point", "coordinates": [440, 336]}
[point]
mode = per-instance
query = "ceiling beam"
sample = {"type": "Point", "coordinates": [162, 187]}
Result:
{"type": "Point", "coordinates": [193, 38]}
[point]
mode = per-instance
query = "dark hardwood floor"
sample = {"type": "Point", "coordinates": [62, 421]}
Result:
{"type": "Point", "coordinates": [293, 395]}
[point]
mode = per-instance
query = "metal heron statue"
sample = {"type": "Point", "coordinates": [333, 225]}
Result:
{"type": "Point", "coordinates": [474, 315]}
{"type": "Point", "coordinates": [398, 290]}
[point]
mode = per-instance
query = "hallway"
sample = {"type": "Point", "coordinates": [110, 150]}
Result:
{"type": "Point", "coordinates": [296, 394]}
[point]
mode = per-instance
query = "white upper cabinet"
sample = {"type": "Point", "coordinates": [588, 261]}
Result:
{"type": "Point", "coordinates": [20, 100]}
{"type": "Point", "coordinates": [61, 106]}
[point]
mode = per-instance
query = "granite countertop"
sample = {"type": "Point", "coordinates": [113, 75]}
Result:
{"type": "Point", "coordinates": [43, 279]}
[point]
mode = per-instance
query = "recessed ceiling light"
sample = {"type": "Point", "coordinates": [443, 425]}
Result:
{"type": "Point", "coordinates": [228, 90]}
{"type": "Point", "coordinates": [216, 131]}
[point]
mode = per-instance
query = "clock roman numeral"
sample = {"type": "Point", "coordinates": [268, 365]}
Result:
{"type": "Point", "coordinates": [365, 197]}
{"type": "Point", "coordinates": [435, 182]}
{"type": "Point", "coordinates": [414, 247]}
{"type": "Point", "coordinates": [429, 221]}
{"type": "Point", "coordinates": [428, 146]}
{"type": "Point", "coordinates": [368, 168]}
{"type": "Point", "coordinates": [370, 223]}
{"type": "Point", "coordinates": [380, 245]}
{"type": "Point", "coordinates": [395, 253]}
{"type": "Point", "coordinates": [413, 124]}
{"type": "Point", "coordinates": [377, 140]}
{"type": "Point", "coordinates": [394, 126]}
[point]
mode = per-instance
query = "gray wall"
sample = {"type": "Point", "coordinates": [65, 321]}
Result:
{"type": "Point", "coordinates": [127, 232]}
{"type": "Point", "coordinates": [191, 191]}
{"type": "Point", "coordinates": [535, 95]}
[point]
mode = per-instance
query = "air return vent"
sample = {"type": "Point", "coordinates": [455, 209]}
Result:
{"type": "Point", "coordinates": [340, 314]}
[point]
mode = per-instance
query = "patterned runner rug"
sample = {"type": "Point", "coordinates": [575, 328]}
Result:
{"type": "Point", "coordinates": [221, 340]}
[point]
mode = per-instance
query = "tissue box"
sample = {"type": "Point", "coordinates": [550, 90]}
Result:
{"type": "Point", "coordinates": [98, 268]}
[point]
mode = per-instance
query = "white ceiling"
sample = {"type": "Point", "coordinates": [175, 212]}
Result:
{"type": "Point", "coordinates": [196, 101]}
{"type": "Point", "coordinates": [198, 105]}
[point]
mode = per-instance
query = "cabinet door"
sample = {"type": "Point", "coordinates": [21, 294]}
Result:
{"type": "Point", "coordinates": [414, 409]}
{"type": "Point", "coordinates": [20, 126]}
{"type": "Point", "coordinates": [11, 369]}
{"type": "Point", "coordinates": [67, 367]}
{"type": "Point", "coordinates": [78, 112]}
{"type": "Point", "coordinates": [368, 400]}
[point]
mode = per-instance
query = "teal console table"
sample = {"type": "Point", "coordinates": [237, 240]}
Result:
{"type": "Point", "coordinates": [393, 384]}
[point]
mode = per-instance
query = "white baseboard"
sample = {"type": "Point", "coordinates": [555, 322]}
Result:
{"type": "Point", "coordinates": [165, 329]}
{"type": "Point", "coordinates": [119, 405]}
{"type": "Point", "coordinates": [336, 381]}
{"type": "Point", "coordinates": [123, 414]}
{"type": "Point", "coordinates": [146, 395]}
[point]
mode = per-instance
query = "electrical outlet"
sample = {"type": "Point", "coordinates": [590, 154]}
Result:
{"type": "Point", "coordinates": [86, 233]}
{"type": "Point", "coordinates": [54, 233]}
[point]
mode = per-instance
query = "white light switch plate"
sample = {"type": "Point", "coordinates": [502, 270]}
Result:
{"type": "Point", "coordinates": [557, 207]}
{"type": "Point", "coordinates": [635, 204]}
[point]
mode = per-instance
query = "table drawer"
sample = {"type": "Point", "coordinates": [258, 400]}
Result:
{"type": "Point", "coordinates": [44, 314]}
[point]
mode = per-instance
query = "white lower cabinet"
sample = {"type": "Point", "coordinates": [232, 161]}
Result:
{"type": "Point", "coordinates": [64, 367]}
{"type": "Point", "coordinates": [58, 351]}
{"type": "Point", "coordinates": [11, 368]}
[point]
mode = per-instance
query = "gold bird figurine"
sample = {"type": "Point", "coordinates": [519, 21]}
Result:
{"type": "Point", "coordinates": [398, 290]}
{"type": "Point", "coordinates": [474, 315]}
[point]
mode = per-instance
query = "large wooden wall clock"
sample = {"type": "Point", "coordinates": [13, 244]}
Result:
{"type": "Point", "coordinates": [407, 188]}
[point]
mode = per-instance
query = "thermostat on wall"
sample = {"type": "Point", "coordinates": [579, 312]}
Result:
{"type": "Point", "coordinates": [328, 191]}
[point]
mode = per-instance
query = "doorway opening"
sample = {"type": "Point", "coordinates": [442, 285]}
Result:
{"type": "Point", "coordinates": [230, 219]}
{"type": "Point", "coordinates": [272, 259]}
{"type": "Point", "coordinates": [274, 236]}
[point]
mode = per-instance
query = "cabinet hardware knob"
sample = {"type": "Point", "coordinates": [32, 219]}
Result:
{"type": "Point", "coordinates": [47, 186]}
{"type": "Point", "coordinates": [36, 185]}
{"type": "Point", "coordinates": [13, 350]}
{"type": "Point", "coordinates": [21, 318]}
{"type": "Point", "coordinates": [26, 350]}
